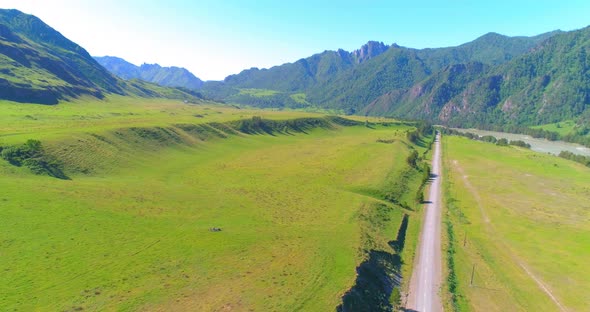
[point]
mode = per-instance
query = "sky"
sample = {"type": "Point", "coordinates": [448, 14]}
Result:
{"type": "Point", "coordinates": [217, 38]}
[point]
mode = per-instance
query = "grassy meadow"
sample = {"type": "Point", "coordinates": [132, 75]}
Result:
{"type": "Point", "coordinates": [258, 92]}
{"type": "Point", "coordinates": [523, 219]}
{"type": "Point", "coordinates": [131, 229]}
{"type": "Point", "coordinates": [563, 128]}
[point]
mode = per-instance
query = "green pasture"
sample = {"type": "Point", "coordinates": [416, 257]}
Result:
{"type": "Point", "coordinates": [131, 229]}
{"type": "Point", "coordinates": [258, 92]}
{"type": "Point", "coordinates": [518, 216]}
{"type": "Point", "coordinates": [563, 128]}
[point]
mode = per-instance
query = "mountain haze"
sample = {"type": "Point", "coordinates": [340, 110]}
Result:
{"type": "Point", "coordinates": [164, 76]}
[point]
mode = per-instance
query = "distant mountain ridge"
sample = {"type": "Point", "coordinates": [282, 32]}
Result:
{"type": "Point", "coordinates": [493, 80]}
{"type": "Point", "coordinates": [39, 65]}
{"type": "Point", "coordinates": [164, 76]}
{"type": "Point", "coordinates": [351, 80]}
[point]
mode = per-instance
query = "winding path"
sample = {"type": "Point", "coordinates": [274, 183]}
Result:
{"type": "Point", "coordinates": [424, 293]}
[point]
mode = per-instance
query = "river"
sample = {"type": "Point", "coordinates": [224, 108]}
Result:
{"type": "Point", "coordinates": [538, 145]}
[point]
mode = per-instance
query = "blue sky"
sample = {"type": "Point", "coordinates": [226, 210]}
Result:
{"type": "Point", "coordinates": [214, 39]}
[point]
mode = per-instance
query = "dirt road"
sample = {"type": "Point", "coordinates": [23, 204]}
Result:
{"type": "Point", "coordinates": [424, 289]}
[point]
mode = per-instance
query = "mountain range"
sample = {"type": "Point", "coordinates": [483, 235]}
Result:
{"type": "Point", "coordinates": [164, 76]}
{"type": "Point", "coordinates": [494, 80]}
{"type": "Point", "coordinates": [39, 65]}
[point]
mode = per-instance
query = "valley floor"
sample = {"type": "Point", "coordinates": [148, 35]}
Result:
{"type": "Point", "coordinates": [520, 223]}
{"type": "Point", "coordinates": [132, 229]}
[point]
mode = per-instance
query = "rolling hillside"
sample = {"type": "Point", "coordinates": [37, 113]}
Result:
{"type": "Point", "coordinates": [129, 223]}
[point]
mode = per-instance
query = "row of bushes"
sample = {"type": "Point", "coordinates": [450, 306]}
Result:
{"type": "Point", "coordinates": [452, 280]}
{"type": "Point", "coordinates": [426, 175]}
{"type": "Point", "coordinates": [487, 138]}
{"type": "Point", "coordinates": [258, 125]}
{"type": "Point", "coordinates": [580, 134]}
{"type": "Point", "coordinates": [584, 160]}
{"type": "Point", "coordinates": [520, 143]}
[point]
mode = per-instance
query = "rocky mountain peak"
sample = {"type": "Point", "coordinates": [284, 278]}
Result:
{"type": "Point", "coordinates": [369, 50]}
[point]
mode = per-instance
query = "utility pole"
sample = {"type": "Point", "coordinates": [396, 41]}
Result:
{"type": "Point", "coordinates": [465, 240]}
{"type": "Point", "coordinates": [472, 273]}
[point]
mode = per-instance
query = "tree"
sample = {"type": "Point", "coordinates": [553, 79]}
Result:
{"type": "Point", "coordinates": [412, 158]}
{"type": "Point", "coordinates": [502, 142]}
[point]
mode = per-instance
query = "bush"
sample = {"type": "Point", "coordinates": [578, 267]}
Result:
{"type": "Point", "coordinates": [32, 156]}
{"type": "Point", "coordinates": [413, 136]}
{"type": "Point", "coordinates": [584, 160]}
{"type": "Point", "coordinates": [489, 138]}
{"type": "Point", "coordinates": [502, 142]}
{"type": "Point", "coordinates": [520, 143]}
{"type": "Point", "coordinates": [412, 159]}
{"type": "Point", "coordinates": [17, 154]}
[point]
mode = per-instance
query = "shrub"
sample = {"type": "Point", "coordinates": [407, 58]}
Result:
{"type": "Point", "coordinates": [502, 142]}
{"type": "Point", "coordinates": [412, 159]}
{"type": "Point", "coordinates": [32, 156]}
{"type": "Point", "coordinates": [520, 143]}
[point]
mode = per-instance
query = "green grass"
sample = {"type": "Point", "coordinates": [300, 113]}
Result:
{"type": "Point", "coordinates": [563, 128]}
{"type": "Point", "coordinates": [87, 115]}
{"type": "Point", "coordinates": [130, 231]}
{"type": "Point", "coordinates": [258, 92]}
{"type": "Point", "coordinates": [538, 212]}
{"type": "Point", "coordinates": [33, 76]}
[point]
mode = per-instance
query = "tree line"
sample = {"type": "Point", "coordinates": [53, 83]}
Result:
{"type": "Point", "coordinates": [487, 138]}
{"type": "Point", "coordinates": [584, 160]}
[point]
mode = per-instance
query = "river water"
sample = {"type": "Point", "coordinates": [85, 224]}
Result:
{"type": "Point", "coordinates": [538, 145]}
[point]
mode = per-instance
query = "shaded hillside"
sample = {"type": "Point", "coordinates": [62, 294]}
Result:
{"type": "Point", "coordinates": [548, 84]}
{"type": "Point", "coordinates": [38, 64]}
{"type": "Point", "coordinates": [164, 76]}
{"type": "Point", "coordinates": [426, 99]}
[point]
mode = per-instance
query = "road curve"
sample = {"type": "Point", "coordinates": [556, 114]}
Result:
{"type": "Point", "coordinates": [424, 295]}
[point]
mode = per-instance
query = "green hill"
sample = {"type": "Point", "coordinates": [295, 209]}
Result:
{"type": "Point", "coordinates": [546, 85]}
{"type": "Point", "coordinates": [426, 99]}
{"type": "Point", "coordinates": [40, 65]}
